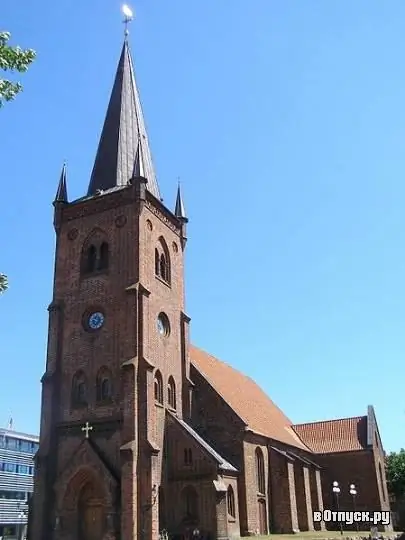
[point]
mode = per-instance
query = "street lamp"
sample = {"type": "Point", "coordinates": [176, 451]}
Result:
{"type": "Point", "coordinates": [336, 491]}
{"type": "Point", "coordinates": [21, 516]}
{"type": "Point", "coordinates": [353, 493]}
{"type": "Point", "coordinates": [20, 522]}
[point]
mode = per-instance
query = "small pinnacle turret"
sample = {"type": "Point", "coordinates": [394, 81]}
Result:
{"type": "Point", "coordinates": [61, 193]}
{"type": "Point", "coordinates": [179, 210]}
{"type": "Point", "coordinates": [138, 171]}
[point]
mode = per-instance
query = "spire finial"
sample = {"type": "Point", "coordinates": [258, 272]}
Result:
{"type": "Point", "coordinates": [128, 17]}
{"type": "Point", "coordinates": [123, 132]}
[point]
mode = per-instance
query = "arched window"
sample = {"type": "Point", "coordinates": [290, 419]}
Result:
{"type": "Point", "coordinates": [79, 390]}
{"type": "Point", "coordinates": [163, 267]}
{"type": "Point", "coordinates": [91, 259]}
{"type": "Point", "coordinates": [103, 257]}
{"type": "Point", "coordinates": [105, 389]}
{"type": "Point", "coordinates": [95, 253]}
{"type": "Point", "coordinates": [188, 456]}
{"type": "Point", "coordinates": [104, 385]}
{"type": "Point", "coordinates": [230, 497]}
{"type": "Point", "coordinates": [158, 386]}
{"type": "Point", "coordinates": [381, 481]}
{"type": "Point", "coordinates": [190, 503]}
{"type": "Point", "coordinates": [171, 393]}
{"type": "Point", "coordinates": [260, 474]}
{"type": "Point", "coordinates": [162, 261]}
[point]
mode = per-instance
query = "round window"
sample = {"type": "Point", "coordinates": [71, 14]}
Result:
{"type": "Point", "coordinates": [163, 324]}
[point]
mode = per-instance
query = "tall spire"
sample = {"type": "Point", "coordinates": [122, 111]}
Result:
{"type": "Point", "coordinates": [61, 193]}
{"type": "Point", "coordinates": [123, 151]}
{"type": "Point", "coordinates": [179, 210]}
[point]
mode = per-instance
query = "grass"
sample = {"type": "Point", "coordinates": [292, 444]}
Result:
{"type": "Point", "coordinates": [315, 535]}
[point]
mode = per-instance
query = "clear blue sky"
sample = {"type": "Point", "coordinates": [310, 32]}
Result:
{"type": "Point", "coordinates": [286, 122]}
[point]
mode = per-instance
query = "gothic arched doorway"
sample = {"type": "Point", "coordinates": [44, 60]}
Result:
{"type": "Point", "coordinates": [91, 517]}
{"type": "Point", "coordinates": [189, 499]}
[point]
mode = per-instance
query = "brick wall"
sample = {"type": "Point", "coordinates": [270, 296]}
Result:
{"type": "Point", "coordinates": [306, 477]}
{"type": "Point", "coordinates": [293, 495]}
{"type": "Point", "coordinates": [214, 419]}
{"type": "Point", "coordinates": [221, 516]}
{"type": "Point", "coordinates": [316, 495]}
{"type": "Point", "coordinates": [308, 499]}
{"type": "Point", "coordinates": [300, 496]}
{"type": "Point", "coordinates": [233, 526]}
{"type": "Point", "coordinates": [131, 297]}
{"type": "Point", "coordinates": [379, 462]}
{"type": "Point", "coordinates": [251, 444]}
{"type": "Point", "coordinates": [282, 504]}
{"type": "Point", "coordinates": [351, 468]}
{"type": "Point", "coordinates": [206, 506]}
{"type": "Point", "coordinates": [179, 440]}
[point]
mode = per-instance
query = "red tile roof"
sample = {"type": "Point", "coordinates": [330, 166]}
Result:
{"type": "Point", "coordinates": [246, 398]}
{"type": "Point", "coordinates": [330, 436]}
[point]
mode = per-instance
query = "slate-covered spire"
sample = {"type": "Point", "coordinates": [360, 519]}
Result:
{"type": "Point", "coordinates": [179, 210]}
{"type": "Point", "coordinates": [61, 193]}
{"type": "Point", "coordinates": [123, 151]}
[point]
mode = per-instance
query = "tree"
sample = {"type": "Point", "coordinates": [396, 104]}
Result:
{"type": "Point", "coordinates": [12, 59]}
{"type": "Point", "coordinates": [395, 467]}
{"type": "Point", "coordinates": [3, 283]}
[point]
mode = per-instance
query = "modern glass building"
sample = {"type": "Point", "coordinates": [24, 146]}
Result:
{"type": "Point", "coordinates": [16, 481]}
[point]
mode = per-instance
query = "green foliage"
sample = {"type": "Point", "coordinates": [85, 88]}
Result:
{"type": "Point", "coordinates": [12, 59]}
{"type": "Point", "coordinates": [395, 467]}
{"type": "Point", "coordinates": [3, 283]}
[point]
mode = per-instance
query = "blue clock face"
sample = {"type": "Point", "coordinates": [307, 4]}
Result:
{"type": "Point", "coordinates": [96, 320]}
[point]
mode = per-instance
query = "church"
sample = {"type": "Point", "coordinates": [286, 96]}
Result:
{"type": "Point", "coordinates": [142, 434]}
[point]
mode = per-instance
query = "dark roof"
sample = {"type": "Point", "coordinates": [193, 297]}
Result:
{"type": "Point", "coordinates": [246, 398]}
{"type": "Point", "coordinates": [223, 464]}
{"type": "Point", "coordinates": [331, 436]}
{"type": "Point", "coordinates": [123, 152]}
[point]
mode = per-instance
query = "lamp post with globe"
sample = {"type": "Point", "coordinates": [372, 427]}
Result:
{"type": "Point", "coordinates": [336, 491]}
{"type": "Point", "coordinates": [353, 493]}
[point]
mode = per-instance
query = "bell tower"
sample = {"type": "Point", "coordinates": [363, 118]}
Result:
{"type": "Point", "coordinates": [117, 355]}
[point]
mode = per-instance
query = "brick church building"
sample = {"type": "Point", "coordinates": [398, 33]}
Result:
{"type": "Point", "coordinates": [140, 431]}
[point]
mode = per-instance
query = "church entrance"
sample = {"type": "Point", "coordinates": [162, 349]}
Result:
{"type": "Point", "coordinates": [91, 521]}
{"type": "Point", "coordinates": [262, 517]}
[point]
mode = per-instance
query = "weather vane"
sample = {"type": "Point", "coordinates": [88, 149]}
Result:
{"type": "Point", "coordinates": [128, 16]}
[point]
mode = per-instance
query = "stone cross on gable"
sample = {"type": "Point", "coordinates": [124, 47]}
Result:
{"type": "Point", "coordinates": [87, 428]}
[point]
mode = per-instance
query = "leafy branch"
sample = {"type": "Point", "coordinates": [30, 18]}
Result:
{"type": "Point", "coordinates": [12, 59]}
{"type": "Point", "coordinates": [3, 283]}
